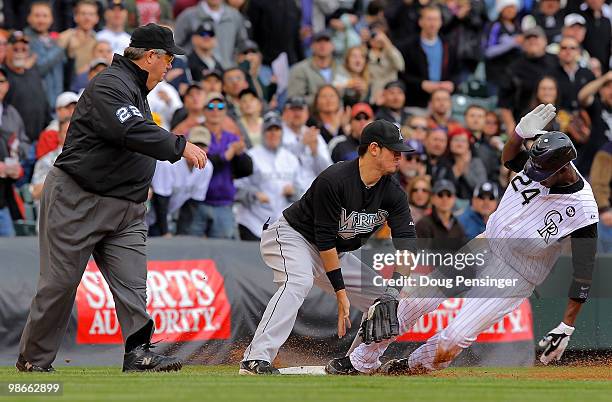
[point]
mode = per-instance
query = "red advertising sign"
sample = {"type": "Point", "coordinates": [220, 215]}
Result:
{"type": "Point", "coordinates": [186, 299]}
{"type": "Point", "coordinates": [515, 326]}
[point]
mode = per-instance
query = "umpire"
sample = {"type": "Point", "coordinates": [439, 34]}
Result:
{"type": "Point", "coordinates": [93, 203]}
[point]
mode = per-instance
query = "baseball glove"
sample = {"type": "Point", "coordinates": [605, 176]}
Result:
{"type": "Point", "coordinates": [381, 321]}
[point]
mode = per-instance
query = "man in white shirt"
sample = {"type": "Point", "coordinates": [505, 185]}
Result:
{"type": "Point", "coordinates": [305, 142]}
{"type": "Point", "coordinates": [114, 31]}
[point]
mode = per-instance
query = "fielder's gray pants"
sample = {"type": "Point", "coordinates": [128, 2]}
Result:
{"type": "Point", "coordinates": [297, 265]}
{"type": "Point", "coordinates": [74, 224]}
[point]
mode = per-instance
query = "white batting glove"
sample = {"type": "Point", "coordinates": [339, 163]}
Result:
{"type": "Point", "coordinates": [555, 343]}
{"type": "Point", "coordinates": [534, 122]}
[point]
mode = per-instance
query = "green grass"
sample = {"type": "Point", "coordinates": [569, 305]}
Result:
{"type": "Point", "coordinates": [198, 383]}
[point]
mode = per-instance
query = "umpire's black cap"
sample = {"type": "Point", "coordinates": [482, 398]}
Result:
{"type": "Point", "coordinates": [548, 154]}
{"type": "Point", "coordinates": [385, 134]}
{"type": "Point", "coordinates": [153, 36]}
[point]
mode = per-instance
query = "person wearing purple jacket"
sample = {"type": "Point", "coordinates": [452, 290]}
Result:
{"type": "Point", "coordinates": [214, 217]}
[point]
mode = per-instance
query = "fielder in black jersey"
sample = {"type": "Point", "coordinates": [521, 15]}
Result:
{"type": "Point", "coordinates": [310, 243]}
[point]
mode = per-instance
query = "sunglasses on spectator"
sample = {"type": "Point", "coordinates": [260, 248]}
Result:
{"type": "Point", "coordinates": [3, 80]}
{"type": "Point", "coordinates": [411, 158]}
{"type": "Point", "coordinates": [361, 117]}
{"type": "Point", "coordinates": [486, 197]}
{"type": "Point", "coordinates": [249, 51]}
{"type": "Point", "coordinates": [417, 127]}
{"type": "Point", "coordinates": [444, 193]}
{"type": "Point", "coordinates": [569, 48]}
{"type": "Point", "coordinates": [207, 34]}
{"type": "Point", "coordinates": [420, 190]}
{"type": "Point", "coordinates": [213, 106]}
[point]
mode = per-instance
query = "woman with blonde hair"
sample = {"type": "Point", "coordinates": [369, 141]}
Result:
{"type": "Point", "coordinates": [418, 190]}
{"type": "Point", "coordinates": [353, 79]}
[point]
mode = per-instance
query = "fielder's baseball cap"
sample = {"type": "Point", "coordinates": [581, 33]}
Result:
{"type": "Point", "coordinates": [272, 119]}
{"type": "Point", "coordinates": [535, 31]}
{"type": "Point", "coordinates": [486, 188]}
{"type": "Point", "coordinates": [444, 185]}
{"type": "Point", "coordinates": [199, 135]}
{"type": "Point", "coordinates": [18, 36]}
{"type": "Point", "coordinates": [395, 84]}
{"type": "Point", "coordinates": [361, 107]}
{"type": "Point", "coordinates": [214, 96]}
{"type": "Point", "coordinates": [574, 19]}
{"type": "Point", "coordinates": [385, 134]}
{"type": "Point", "coordinates": [66, 98]}
{"type": "Point", "coordinates": [98, 62]}
{"type": "Point", "coordinates": [295, 102]}
{"type": "Point", "coordinates": [325, 34]}
{"type": "Point", "coordinates": [153, 36]}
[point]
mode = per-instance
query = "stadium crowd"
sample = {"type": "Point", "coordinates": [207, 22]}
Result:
{"type": "Point", "coordinates": [278, 90]}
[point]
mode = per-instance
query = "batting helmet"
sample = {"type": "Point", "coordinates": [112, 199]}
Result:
{"type": "Point", "coordinates": [548, 154]}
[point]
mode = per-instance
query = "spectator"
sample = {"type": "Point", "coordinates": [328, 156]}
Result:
{"type": "Point", "coordinates": [344, 148]}
{"type": "Point", "coordinates": [546, 91]}
{"type": "Point", "coordinates": [10, 119]}
{"type": "Point", "coordinates": [416, 128]}
{"type": "Point", "coordinates": [10, 171]}
{"type": "Point", "coordinates": [212, 80]}
{"type": "Point", "coordinates": [549, 16]}
{"type": "Point", "coordinates": [402, 18]}
{"type": "Point", "coordinates": [179, 188]}
{"type": "Point", "coordinates": [596, 97]}
{"type": "Point", "coordinates": [435, 148]}
{"type": "Point", "coordinates": [484, 203]}
{"type": "Point", "coordinates": [354, 79]}
{"type": "Point", "coordinates": [328, 112]}
{"type": "Point", "coordinates": [49, 139]}
{"type": "Point", "coordinates": [440, 111]}
{"type": "Point", "coordinates": [526, 71]}
{"type": "Point", "coordinates": [45, 162]}
{"type": "Point", "coordinates": [234, 81]}
{"type": "Point", "coordinates": [464, 30]}
{"type": "Point", "coordinates": [250, 122]}
{"type": "Point", "coordinates": [419, 197]}
{"type": "Point", "coordinates": [3, 45]}
{"type": "Point", "coordinates": [601, 181]}
{"type": "Point", "coordinates": [502, 43]}
{"type": "Point", "coordinates": [384, 63]}
{"type": "Point", "coordinates": [344, 35]}
{"type": "Point", "coordinates": [574, 26]}
{"type": "Point", "coordinates": [164, 100]}
{"type": "Point", "coordinates": [143, 12]}
{"type": "Point", "coordinates": [412, 164]}
{"type": "Point", "coordinates": [467, 170]}
{"type": "Point", "coordinates": [440, 224]}
{"type": "Point", "coordinates": [569, 75]}
{"type": "Point", "coordinates": [15, 13]}
{"type": "Point", "coordinates": [114, 33]}
{"type": "Point", "coordinates": [598, 40]}
{"type": "Point", "coordinates": [595, 66]}
{"type": "Point", "coordinates": [26, 85]}
{"type": "Point", "coordinates": [305, 142]}
{"type": "Point", "coordinates": [307, 76]}
{"type": "Point", "coordinates": [432, 61]}
{"type": "Point", "coordinates": [226, 152]}
{"type": "Point", "coordinates": [228, 23]}
{"type": "Point", "coordinates": [261, 80]}
{"type": "Point", "coordinates": [276, 29]}
{"type": "Point", "coordinates": [194, 102]}
{"type": "Point", "coordinates": [393, 99]}
{"type": "Point", "coordinates": [102, 55]}
{"type": "Point", "coordinates": [272, 187]}
{"type": "Point", "coordinates": [80, 41]}
{"type": "Point", "coordinates": [202, 55]}
{"type": "Point", "coordinates": [50, 58]}
{"type": "Point", "coordinates": [485, 148]}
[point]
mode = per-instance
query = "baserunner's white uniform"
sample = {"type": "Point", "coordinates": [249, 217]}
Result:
{"type": "Point", "coordinates": [525, 237]}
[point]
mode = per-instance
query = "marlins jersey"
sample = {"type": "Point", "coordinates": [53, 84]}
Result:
{"type": "Point", "coordinates": [339, 211]}
{"type": "Point", "coordinates": [528, 228]}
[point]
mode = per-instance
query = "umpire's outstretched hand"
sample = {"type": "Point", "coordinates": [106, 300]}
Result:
{"type": "Point", "coordinates": [195, 155]}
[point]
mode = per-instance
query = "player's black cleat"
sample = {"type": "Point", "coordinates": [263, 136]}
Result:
{"type": "Point", "coordinates": [25, 366]}
{"type": "Point", "coordinates": [141, 358]}
{"type": "Point", "coordinates": [341, 366]}
{"type": "Point", "coordinates": [257, 367]}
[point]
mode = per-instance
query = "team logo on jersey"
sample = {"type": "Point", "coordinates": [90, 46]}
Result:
{"type": "Point", "coordinates": [359, 222]}
{"type": "Point", "coordinates": [550, 226]}
{"type": "Point", "coordinates": [570, 211]}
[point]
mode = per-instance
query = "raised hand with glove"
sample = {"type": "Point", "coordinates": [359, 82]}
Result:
{"type": "Point", "coordinates": [534, 122]}
{"type": "Point", "coordinates": [555, 343]}
{"type": "Point", "coordinates": [381, 321]}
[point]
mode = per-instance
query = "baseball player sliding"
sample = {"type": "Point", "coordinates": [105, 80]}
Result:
{"type": "Point", "coordinates": [311, 241]}
{"type": "Point", "coordinates": [546, 202]}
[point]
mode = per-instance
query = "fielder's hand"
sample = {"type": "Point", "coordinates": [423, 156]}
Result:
{"type": "Point", "coordinates": [381, 322]}
{"type": "Point", "coordinates": [344, 320]}
{"type": "Point", "coordinates": [534, 122]}
{"type": "Point", "coordinates": [195, 155]}
{"type": "Point", "coordinates": [555, 343]}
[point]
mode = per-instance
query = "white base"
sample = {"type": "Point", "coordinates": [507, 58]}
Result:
{"type": "Point", "coordinates": [303, 370]}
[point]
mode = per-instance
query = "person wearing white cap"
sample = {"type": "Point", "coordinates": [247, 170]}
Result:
{"type": "Point", "coordinates": [574, 26]}
{"type": "Point", "coordinates": [48, 140]}
{"type": "Point", "coordinates": [549, 16]}
{"type": "Point", "coordinates": [598, 41]}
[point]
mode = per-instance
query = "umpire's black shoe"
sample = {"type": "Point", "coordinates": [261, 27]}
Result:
{"type": "Point", "coordinates": [341, 366]}
{"type": "Point", "coordinates": [256, 367]}
{"type": "Point", "coordinates": [141, 358]}
{"type": "Point", "coordinates": [25, 366]}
